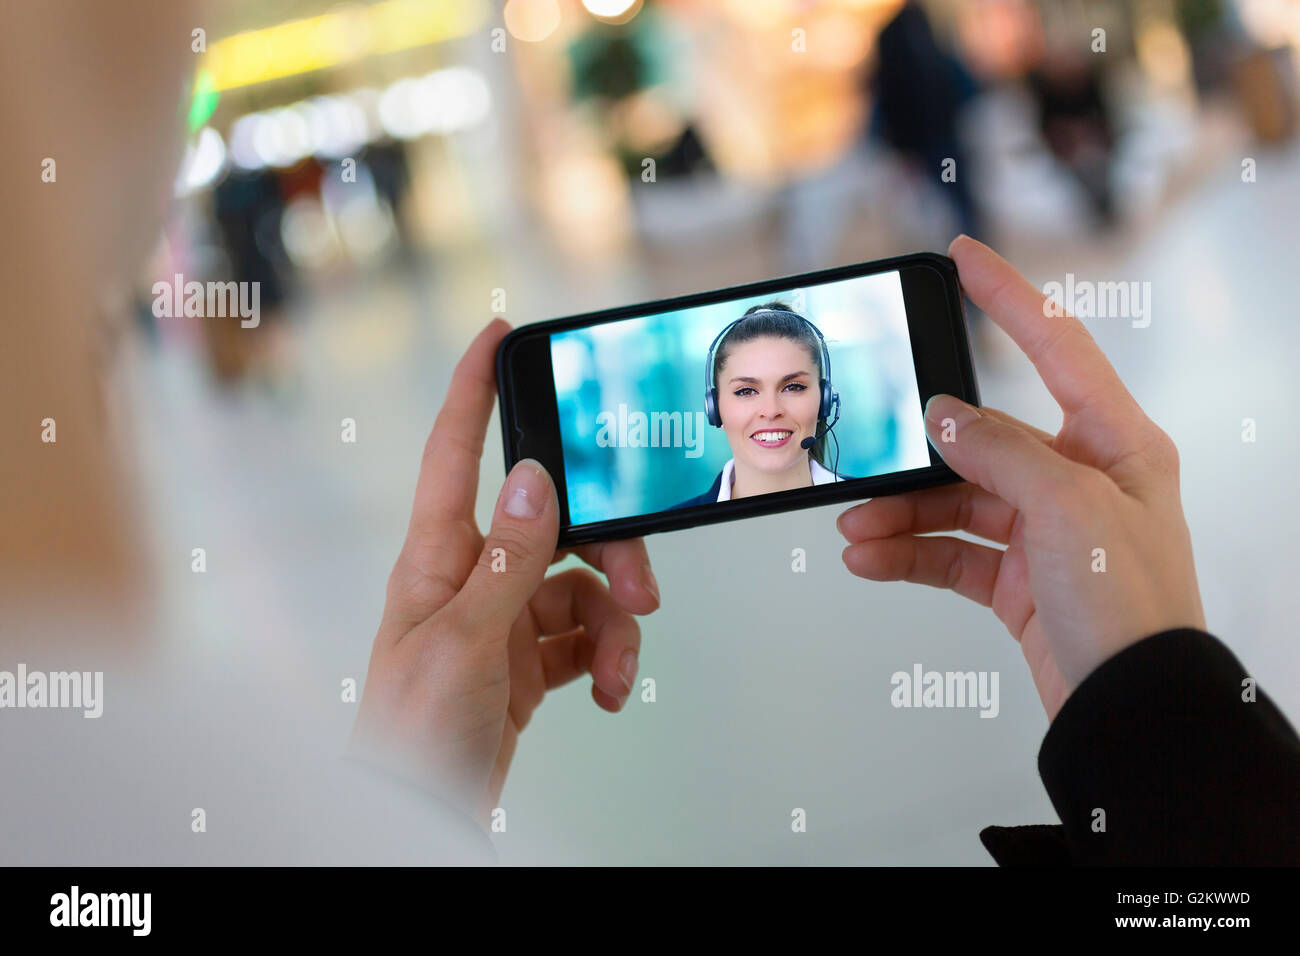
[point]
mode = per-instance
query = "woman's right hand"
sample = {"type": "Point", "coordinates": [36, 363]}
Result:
{"type": "Point", "coordinates": [1101, 493]}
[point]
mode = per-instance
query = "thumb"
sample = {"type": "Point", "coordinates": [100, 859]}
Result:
{"type": "Point", "coordinates": [516, 553]}
{"type": "Point", "coordinates": [996, 455]}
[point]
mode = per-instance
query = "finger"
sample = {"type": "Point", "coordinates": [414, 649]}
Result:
{"type": "Point", "coordinates": [448, 482]}
{"type": "Point", "coordinates": [578, 598]}
{"type": "Point", "coordinates": [561, 663]}
{"type": "Point", "coordinates": [1045, 437]}
{"type": "Point", "coordinates": [442, 537]}
{"type": "Point", "coordinates": [967, 568]}
{"type": "Point", "coordinates": [626, 564]}
{"type": "Point", "coordinates": [964, 507]}
{"type": "Point", "coordinates": [1001, 458]}
{"type": "Point", "coordinates": [515, 555]}
{"type": "Point", "coordinates": [565, 657]}
{"type": "Point", "coordinates": [1072, 365]}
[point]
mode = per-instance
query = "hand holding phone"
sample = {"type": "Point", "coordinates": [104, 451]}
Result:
{"type": "Point", "coordinates": [1098, 555]}
{"type": "Point", "coordinates": [473, 633]}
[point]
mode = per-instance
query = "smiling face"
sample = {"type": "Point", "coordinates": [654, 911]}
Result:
{"type": "Point", "coordinates": [768, 398]}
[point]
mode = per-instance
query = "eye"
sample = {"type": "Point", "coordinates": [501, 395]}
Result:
{"type": "Point", "coordinates": [799, 386]}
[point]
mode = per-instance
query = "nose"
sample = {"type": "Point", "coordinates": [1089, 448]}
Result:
{"type": "Point", "coordinates": [773, 407]}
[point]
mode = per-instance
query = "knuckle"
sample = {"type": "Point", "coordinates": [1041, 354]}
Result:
{"type": "Point", "coordinates": [419, 576]}
{"type": "Point", "coordinates": [445, 439]}
{"type": "Point", "coordinates": [966, 508]}
{"type": "Point", "coordinates": [956, 565]}
{"type": "Point", "coordinates": [1161, 450]}
{"type": "Point", "coordinates": [515, 545]}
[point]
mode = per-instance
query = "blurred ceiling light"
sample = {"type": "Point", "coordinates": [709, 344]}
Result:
{"type": "Point", "coordinates": [338, 126]}
{"type": "Point", "coordinates": [268, 142]}
{"type": "Point", "coordinates": [531, 20]}
{"type": "Point", "coordinates": [242, 134]}
{"type": "Point", "coordinates": [204, 160]}
{"type": "Point", "coordinates": [340, 36]}
{"type": "Point", "coordinates": [444, 101]}
{"type": "Point", "coordinates": [399, 109]}
{"type": "Point", "coordinates": [462, 96]}
{"type": "Point", "coordinates": [295, 133]}
{"type": "Point", "coordinates": [615, 11]}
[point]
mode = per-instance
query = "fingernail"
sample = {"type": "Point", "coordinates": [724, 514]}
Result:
{"type": "Point", "coordinates": [648, 580]}
{"type": "Point", "coordinates": [526, 490]}
{"type": "Point", "coordinates": [627, 668]}
{"type": "Point", "coordinates": [940, 408]}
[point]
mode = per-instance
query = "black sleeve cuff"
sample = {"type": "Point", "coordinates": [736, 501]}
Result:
{"type": "Point", "coordinates": [1036, 844]}
{"type": "Point", "coordinates": [1156, 758]}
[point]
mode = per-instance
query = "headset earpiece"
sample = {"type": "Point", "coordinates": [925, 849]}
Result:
{"type": "Point", "coordinates": [711, 408]}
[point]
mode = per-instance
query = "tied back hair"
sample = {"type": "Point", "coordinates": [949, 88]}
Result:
{"type": "Point", "coordinates": [778, 320]}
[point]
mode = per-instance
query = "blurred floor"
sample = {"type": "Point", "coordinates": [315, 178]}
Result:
{"type": "Point", "coordinates": [773, 687]}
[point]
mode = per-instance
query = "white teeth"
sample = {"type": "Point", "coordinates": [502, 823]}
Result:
{"type": "Point", "coordinates": [772, 436]}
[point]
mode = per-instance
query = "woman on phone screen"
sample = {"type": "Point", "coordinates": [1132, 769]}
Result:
{"type": "Point", "coordinates": [769, 391]}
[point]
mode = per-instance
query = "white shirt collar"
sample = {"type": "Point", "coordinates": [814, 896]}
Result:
{"type": "Point", "coordinates": [820, 476]}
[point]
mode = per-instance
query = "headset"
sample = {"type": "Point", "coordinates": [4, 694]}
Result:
{"type": "Point", "coordinates": [830, 399]}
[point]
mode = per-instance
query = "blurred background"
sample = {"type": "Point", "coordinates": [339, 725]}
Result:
{"type": "Point", "coordinates": [395, 173]}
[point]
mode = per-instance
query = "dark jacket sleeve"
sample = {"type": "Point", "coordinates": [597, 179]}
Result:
{"type": "Point", "coordinates": [1188, 770]}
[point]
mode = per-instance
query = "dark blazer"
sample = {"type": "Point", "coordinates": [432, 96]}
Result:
{"type": "Point", "coordinates": [1187, 772]}
{"type": "Point", "coordinates": [709, 497]}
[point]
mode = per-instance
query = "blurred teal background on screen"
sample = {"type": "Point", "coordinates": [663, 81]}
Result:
{"type": "Point", "coordinates": [656, 364]}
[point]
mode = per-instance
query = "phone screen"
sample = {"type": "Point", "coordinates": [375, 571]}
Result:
{"type": "Point", "coordinates": [641, 433]}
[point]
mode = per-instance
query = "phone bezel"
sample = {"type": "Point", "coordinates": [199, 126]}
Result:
{"type": "Point", "coordinates": [940, 352]}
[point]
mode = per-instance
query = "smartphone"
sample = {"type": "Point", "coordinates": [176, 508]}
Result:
{"type": "Point", "coordinates": [781, 394]}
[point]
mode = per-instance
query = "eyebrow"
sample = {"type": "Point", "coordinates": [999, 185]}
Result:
{"type": "Point", "coordinates": [746, 378]}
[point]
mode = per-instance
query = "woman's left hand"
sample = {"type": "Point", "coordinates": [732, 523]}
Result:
{"type": "Point", "coordinates": [473, 633]}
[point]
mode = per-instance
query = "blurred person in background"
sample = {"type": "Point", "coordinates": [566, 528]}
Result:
{"type": "Point", "coordinates": [920, 90]}
{"type": "Point", "coordinates": [248, 206]}
{"type": "Point", "coordinates": [386, 159]}
{"type": "Point", "coordinates": [631, 76]}
{"type": "Point", "coordinates": [1074, 119]}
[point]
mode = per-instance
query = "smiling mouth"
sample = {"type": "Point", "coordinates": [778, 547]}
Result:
{"type": "Point", "coordinates": [772, 438]}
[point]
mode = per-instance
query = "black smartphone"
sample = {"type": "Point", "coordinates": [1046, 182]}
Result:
{"type": "Point", "coordinates": [782, 394]}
